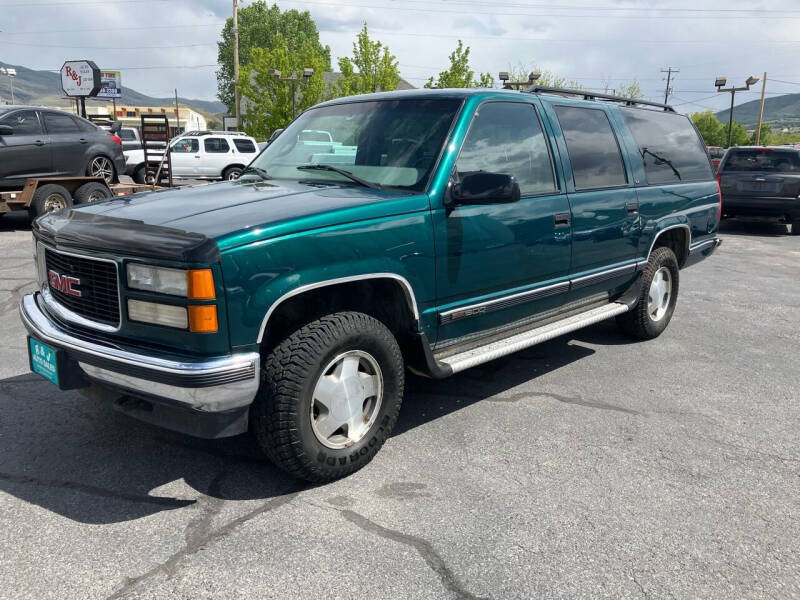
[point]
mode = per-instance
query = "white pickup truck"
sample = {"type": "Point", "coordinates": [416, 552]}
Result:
{"type": "Point", "coordinates": [198, 155]}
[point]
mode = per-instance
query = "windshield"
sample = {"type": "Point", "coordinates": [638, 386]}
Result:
{"type": "Point", "coordinates": [391, 143]}
{"type": "Point", "coordinates": [765, 159]}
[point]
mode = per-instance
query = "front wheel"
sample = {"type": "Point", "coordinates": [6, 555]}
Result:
{"type": "Point", "coordinates": [657, 300]}
{"type": "Point", "coordinates": [232, 173]}
{"type": "Point", "coordinates": [330, 395]}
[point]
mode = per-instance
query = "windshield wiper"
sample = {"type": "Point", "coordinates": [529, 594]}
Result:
{"type": "Point", "coordinates": [260, 172]}
{"type": "Point", "coordinates": [347, 174]}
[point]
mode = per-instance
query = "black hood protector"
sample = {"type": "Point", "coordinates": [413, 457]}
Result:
{"type": "Point", "coordinates": [125, 236]}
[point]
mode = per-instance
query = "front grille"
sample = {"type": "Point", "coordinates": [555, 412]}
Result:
{"type": "Point", "coordinates": [99, 299]}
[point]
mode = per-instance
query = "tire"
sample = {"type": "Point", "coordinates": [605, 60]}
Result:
{"type": "Point", "coordinates": [91, 192]}
{"type": "Point", "coordinates": [102, 166]}
{"type": "Point", "coordinates": [649, 318]}
{"type": "Point", "coordinates": [795, 225]}
{"type": "Point", "coordinates": [300, 378]}
{"type": "Point", "coordinates": [231, 173]}
{"type": "Point", "coordinates": [49, 198]}
{"type": "Point", "coordinates": [140, 175]}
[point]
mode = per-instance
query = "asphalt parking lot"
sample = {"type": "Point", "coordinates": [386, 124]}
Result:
{"type": "Point", "coordinates": [585, 467]}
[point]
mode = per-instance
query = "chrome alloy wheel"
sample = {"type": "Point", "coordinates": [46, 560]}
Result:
{"type": "Point", "coordinates": [346, 399]}
{"type": "Point", "coordinates": [660, 294]}
{"type": "Point", "coordinates": [102, 167]}
{"type": "Point", "coordinates": [54, 203]}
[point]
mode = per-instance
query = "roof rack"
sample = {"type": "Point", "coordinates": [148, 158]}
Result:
{"type": "Point", "coordinates": [200, 133]}
{"type": "Point", "coordinates": [587, 95]}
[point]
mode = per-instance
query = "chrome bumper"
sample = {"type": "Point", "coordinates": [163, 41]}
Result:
{"type": "Point", "coordinates": [214, 385]}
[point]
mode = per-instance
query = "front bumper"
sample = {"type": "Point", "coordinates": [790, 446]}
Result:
{"type": "Point", "coordinates": [214, 385]}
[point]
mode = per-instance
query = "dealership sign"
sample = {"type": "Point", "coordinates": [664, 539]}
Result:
{"type": "Point", "coordinates": [80, 78]}
{"type": "Point", "coordinates": [110, 84]}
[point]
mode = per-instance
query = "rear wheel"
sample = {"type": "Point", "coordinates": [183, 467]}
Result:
{"type": "Point", "coordinates": [49, 198]}
{"type": "Point", "coordinates": [102, 166]}
{"type": "Point", "coordinates": [140, 175]}
{"type": "Point", "coordinates": [658, 297]}
{"type": "Point", "coordinates": [795, 225]}
{"type": "Point", "coordinates": [330, 396]}
{"type": "Point", "coordinates": [91, 192]}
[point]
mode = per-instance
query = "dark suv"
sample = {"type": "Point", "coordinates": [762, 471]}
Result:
{"type": "Point", "coordinates": [39, 142]}
{"type": "Point", "coordinates": [761, 182]}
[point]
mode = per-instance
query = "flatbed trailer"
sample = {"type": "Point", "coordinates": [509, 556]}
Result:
{"type": "Point", "coordinates": [44, 194]}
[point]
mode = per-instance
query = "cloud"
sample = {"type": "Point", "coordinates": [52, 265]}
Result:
{"type": "Point", "coordinates": [488, 26]}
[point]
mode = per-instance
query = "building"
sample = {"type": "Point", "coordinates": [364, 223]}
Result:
{"type": "Point", "coordinates": [130, 116]}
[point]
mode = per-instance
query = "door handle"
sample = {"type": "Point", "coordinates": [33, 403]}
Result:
{"type": "Point", "coordinates": [561, 219]}
{"type": "Point", "coordinates": [632, 208]}
{"type": "Point", "coordinates": [82, 140]}
{"type": "Point", "coordinates": [39, 143]}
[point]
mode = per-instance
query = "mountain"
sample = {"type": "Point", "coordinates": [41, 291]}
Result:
{"type": "Point", "coordinates": [779, 111]}
{"type": "Point", "coordinates": [44, 88]}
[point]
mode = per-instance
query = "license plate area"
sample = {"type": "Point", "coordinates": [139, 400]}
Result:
{"type": "Point", "coordinates": [55, 366]}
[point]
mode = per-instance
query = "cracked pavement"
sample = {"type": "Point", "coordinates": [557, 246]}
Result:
{"type": "Point", "coordinates": [587, 466]}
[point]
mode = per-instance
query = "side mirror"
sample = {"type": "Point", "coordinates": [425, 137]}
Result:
{"type": "Point", "coordinates": [115, 127]}
{"type": "Point", "coordinates": [486, 188]}
{"type": "Point", "coordinates": [6, 130]}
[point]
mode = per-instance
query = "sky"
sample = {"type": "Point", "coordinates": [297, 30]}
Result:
{"type": "Point", "coordinates": [163, 44]}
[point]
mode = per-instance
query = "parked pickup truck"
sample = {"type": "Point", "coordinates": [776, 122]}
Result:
{"type": "Point", "coordinates": [468, 225]}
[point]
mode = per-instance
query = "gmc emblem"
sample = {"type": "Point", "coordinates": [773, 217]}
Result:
{"type": "Point", "coordinates": [64, 283]}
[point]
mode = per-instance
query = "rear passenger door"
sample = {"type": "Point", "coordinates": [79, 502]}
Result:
{"type": "Point", "coordinates": [216, 156]}
{"type": "Point", "coordinates": [604, 206]}
{"type": "Point", "coordinates": [500, 263]}
{"type": "Point", "coordinates": [68, 143]}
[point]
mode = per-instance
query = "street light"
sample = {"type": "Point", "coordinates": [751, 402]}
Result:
{"type": "Point", "coordinates": [508, 85]}
{"type": "Point", "coordinates": [10, 72]}
{"type": "Point", "coordinates": [719, 82]}
{"type": "Point", "coordinates": [294, 80]}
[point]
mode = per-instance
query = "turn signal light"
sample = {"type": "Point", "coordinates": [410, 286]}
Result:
{"type": "Point", "coordinates": [203, 319]}
{"type": "Point", "coordinates": [200, 284]}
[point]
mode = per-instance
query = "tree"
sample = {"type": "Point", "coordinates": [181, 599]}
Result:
{"type": "Point", "coordinates": [546, 78]}
{"type": "Point", "coordinates": [632, 90]}
{"type": "Point", "coordinates": [459, 75]}
{"type": "Point", "coordinates": [373, 68]}
{"type": "Point", "coordinates": [267, 100]}
{"type": "Point", "coordinates": [766, 135]}
{"type": "Point", "coordinates": [710, 128]}
{"type": "Point", "coordinates": [259, 26]}
{"type": "Point", "coordinates": [739, 137]}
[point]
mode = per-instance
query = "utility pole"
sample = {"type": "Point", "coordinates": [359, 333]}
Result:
{"type": "Point", "coordinates": [719, 82]}
{"type": "Point", "coordinates": [669, 71]}
{"type": "Point", "coordinates": [761, 110]}
{"type": "Point", "coordinates": [236, 64]}
{"type": "Point", "coordinates": [177, 114]}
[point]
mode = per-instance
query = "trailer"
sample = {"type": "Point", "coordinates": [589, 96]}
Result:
{"type": "Point", "coordinates": [45, 194]}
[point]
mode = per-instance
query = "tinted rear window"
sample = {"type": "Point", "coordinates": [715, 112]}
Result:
{"type": "Point", "coordinates": [762, 160]}
{"type": "Point", "coordinates": [244, 145]}
{"type": "Point", "coordinates": [216, 145]}
{"type": "Point", "coordinates": [592, 147]}
{"type": "Point", "coordinates": [670, 148]}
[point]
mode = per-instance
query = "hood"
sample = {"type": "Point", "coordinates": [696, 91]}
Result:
{"type": "Point", "coordinates": [182, 220]}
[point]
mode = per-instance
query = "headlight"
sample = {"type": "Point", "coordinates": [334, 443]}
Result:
{"type": "Point", "coordinates": [158, 314]}
{"type": "Point", "coordinates": [196, 284]}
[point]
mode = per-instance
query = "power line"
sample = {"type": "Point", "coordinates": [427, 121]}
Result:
{"type": "Point", "coordinates": [139, 48]}
{"type": "Point", "coordinates": [669, 71]}
{"type": "Point", "coordinates": [103, 29]}
{"type": "Point", "coordinates": [75, 2]}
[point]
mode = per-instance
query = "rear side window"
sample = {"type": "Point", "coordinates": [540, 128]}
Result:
{"type": "Point", "coordinates": [669, 145]}
{"type": "Point", "coordinates": [244, 145]}
{"type": "Point", "coordinates": [592, 147]}
{"type": "Point", "coordinates": [762, 159]}
{"type": "Point", "coordinates": [58, 123]}
{"type": "Point", "coordinates": [24, 122]}
{"type": "Point", "coordinates": [216, 145]}
{"type": "Point", "coordinates": [507, 138]}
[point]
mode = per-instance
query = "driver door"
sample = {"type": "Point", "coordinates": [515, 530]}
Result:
{"type": "Point", "coordinates": [500, 263]}
{"type": "Point", "coordinates": [25, 153]}
{"type": "Point", "coordinates": [186, 157]}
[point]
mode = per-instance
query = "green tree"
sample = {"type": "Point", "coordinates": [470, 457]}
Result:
{"type": "Point", "coordinates": [266, 100]}
{"type": "Point", "coordinates": [710, 128]}
{"type": "Point", "coordinates": [766, 135]}
{"type": "Point", "coordinates": [630, 90]}
{"type": "Point", "coordinates": [373, 68]}
{"type": "Point", "coordinates": [546, 78]}
{"type": "Point", "coordinates": [259, 26]}
{"type": "Point", "coordinates": [459, 75]}
{"type": "Point", "coordinates": [739, 136]}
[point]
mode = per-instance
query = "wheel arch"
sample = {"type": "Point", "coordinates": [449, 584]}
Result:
{"type": "Point", "coordinates": [677, 237]}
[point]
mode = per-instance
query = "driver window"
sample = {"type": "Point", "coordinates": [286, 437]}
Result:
{"type": "Point", "coordinates": [24, 122]}
{"type": "Point", "coordinates": [186, 145]}
{"type": "Point", "coordinates": [507, 137]}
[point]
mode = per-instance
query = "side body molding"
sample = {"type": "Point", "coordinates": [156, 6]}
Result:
{"type": "Point", "coordinates": [409, 292]}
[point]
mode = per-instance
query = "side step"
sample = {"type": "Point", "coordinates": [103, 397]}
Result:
{"type": "Point", "coordinates": [526, 339]}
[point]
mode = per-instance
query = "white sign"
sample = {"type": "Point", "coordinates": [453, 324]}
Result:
{"type": "Point", "coordinates": [80, 78]}
{"type": "Point", "coordinates": [110, 84]}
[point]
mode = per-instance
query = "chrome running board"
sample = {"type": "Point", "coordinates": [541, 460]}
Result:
{"type": "Point", "coordinates": [526, 339]}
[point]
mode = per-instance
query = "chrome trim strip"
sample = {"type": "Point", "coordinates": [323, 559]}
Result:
{"type": "Point", "coordinates": [700, 246]}
{"type": "Point", "coordinates": [44, 329]}
{"type": "Point", "coordinates": [409, 291]}
{"type": "Point", "coordinates": [61, 310]}
{"type": "Point", "coordinates": [579, 282]}
{"type": "Point", "coordinates": [503, 302]}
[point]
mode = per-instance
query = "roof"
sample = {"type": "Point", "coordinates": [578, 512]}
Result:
{"type": "Point", "coordinates": [420, 93]}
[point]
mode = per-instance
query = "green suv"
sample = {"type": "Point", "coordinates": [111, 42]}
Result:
{"type": "Point", "coordinates": [434, 231]}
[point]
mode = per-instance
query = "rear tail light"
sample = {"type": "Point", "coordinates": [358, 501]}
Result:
{"type": "Point", "coordinates": [117, 139]}
{"type": "Point", "coordinates": [719, 194]}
